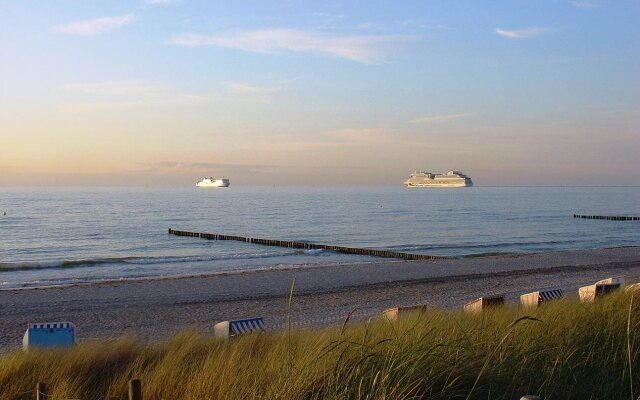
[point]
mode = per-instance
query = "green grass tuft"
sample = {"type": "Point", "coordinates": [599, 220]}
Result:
{"type": "Point", "coordinates": [563, 350]}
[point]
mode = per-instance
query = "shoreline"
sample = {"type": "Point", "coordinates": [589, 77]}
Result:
{"type": "Point", "coordinates": [301, 267]}
{"type": "Point", "coordinates": [155, 309]}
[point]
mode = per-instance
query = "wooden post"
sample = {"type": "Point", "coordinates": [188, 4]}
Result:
{"type": "Point", "coordinates": [135, 389]}
{"type": "Point", "coordinates": [41, 391]}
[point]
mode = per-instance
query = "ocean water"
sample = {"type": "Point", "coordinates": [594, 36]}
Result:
{"type": "Point", "coordinates": [57, 236]}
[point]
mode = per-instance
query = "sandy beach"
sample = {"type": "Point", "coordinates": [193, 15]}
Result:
{"type": "Point", "coordinates": [156, 308]}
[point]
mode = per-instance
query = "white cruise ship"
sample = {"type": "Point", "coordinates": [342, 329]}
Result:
{"type": "Point", "coordinates": [213, 183]}
{"type": "Point", "coordinates": [428, 179]}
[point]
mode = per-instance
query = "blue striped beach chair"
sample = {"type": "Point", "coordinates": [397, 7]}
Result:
{"type": "Point", "coordinates": [49, 334]}
{"type": "Point", "coordinates": [227, 329]}
{"type": "Point", "coordinates": [534, 299]}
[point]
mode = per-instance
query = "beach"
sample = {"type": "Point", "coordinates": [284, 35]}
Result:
{"type": "Point", "coordinates": [154, 309]}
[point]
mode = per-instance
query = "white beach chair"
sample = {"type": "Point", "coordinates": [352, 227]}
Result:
{"type": "Point", "coordinates": [392, 314]}
{"type": "Point", "coordinates": [602, 287]}
{"type": "Point", "coordinates": [483, 303]}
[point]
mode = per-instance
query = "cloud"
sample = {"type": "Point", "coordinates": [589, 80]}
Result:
{"type": "Point", "coordinates": [522, 33]}
{"type": "Point", "coordinates": [100, 96]}
{"type": "Point", "coordinates": [115, 88]}
{"type": "Point", "coordinates": [359, 135]}
{"type": "Point", "coordinates": [93, 26]}
{"type": "Point", "coordinates": [248, 89]}
{"type": "Point", "coordinates": [362, 48]}
{"type": "Point", "coordinates": [329, 16]}
{"type": "Point", "coordinates": [156, 2]}
{"type": "Point", "coordinates": [88, 107]}
{"type": "Point", "coordinates": [583, 4]}
{"type": "Point", "coordinates": [175, 166]}
{"type": "Point", "coordinates": [440, 118]}
{"type": "Point", "coordinates": [251, 92]}
{"type": "Point", "coordinates": [212, 167]}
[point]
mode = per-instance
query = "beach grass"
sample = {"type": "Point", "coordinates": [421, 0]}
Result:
{"type": "Point", "coordinates": [562, 350]}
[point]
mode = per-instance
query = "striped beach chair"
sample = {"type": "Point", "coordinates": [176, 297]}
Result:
{"type": "Point", "coordinates": [482, 303]}
{"type": "Point", "coordinates": [601, 288]}
{"type": "Point", "coordinates": [49, 334]}
{"type": "Point", "coordinates": [534, 299]}
{"type": "Point", "coordinates": [227, 329]}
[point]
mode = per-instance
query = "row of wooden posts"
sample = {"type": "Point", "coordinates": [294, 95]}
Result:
{"type": "Point", "coordinates": [308, 246]}
{"type": "Point", "coordinates": [609, 217]}
{"type": "Point", "coordinates": [135, 390]}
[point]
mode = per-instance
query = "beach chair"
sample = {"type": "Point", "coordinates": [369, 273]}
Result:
{"type": "Point", "coordinates": [534, 299]}
{"type": "Point", "coordinates": [632, 288]}
{"type": "Point", "coordinates": [49, 334]}
{"type": "Point", "coordinates": [602, 287]}
{"type": "Point", "coordinates": [227, 329]}
{"type": "Point", "coordinates": [392, 314]}
{"type": "Point", "coordinates": [483, 303]}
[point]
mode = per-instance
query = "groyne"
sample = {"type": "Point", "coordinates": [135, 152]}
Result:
{"type": "Point", "coordinates": [609, 217]}
{"type": "Point", "coordinates": [308, 246]}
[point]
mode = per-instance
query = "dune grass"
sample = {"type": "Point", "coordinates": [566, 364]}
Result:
{"type": "Point", "coordinates": [563, 350]}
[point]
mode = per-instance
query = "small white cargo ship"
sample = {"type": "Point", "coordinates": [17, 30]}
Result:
{"type": "Point", "coordinates": [213, 183]}
{"type": "Point", "coordinates": [448, 179]}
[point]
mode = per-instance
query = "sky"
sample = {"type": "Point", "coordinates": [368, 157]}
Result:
{"type": "Point", "coordinates": [164, 92]}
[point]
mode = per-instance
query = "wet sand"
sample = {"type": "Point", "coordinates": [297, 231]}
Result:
{"type": "Point", "coordinates": [155, 309]}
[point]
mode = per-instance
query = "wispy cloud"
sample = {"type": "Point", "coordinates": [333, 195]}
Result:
{"type": "Point", "coordinates": [115, 88]}
{"type": "Point", "coordinates": [583, 4]}
{"type": "Point", "coordinates": [328, 16]}
{"type": "Point", "coordinates": [207, 168]}
{"type": "Point", "coordinates": [100, 96]}
{"type": "Point", "coordinates": [253, 92]}
{"type": "Point", "coordinates": [440, 118]}
{"type": "Point", "coordinates": [260, 93]}
{"type": "Point", "coordinates": [360, 48]}
{"type": "Point", "coordinates": [94, 106]}
{"type": "Point", "coordinates": [359, 135]}
{"type": "Point", "coordinates": [93, 26]}
{"type": "Point", "coordinates": [522, 33]}
{"type": "Point", "coordinates": [156, 2]}
{"type": "Point", "coordinates": [201, 167]}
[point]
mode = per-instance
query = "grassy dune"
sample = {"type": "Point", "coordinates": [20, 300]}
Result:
{"type": "Point", "coordinates": [564, 350]}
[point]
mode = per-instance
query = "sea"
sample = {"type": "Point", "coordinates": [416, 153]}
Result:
{"type": "Point", "coordinates": [63, 236]}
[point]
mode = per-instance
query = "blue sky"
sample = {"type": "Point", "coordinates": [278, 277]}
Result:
{"type": "Point", "coordinates": [292, 92]}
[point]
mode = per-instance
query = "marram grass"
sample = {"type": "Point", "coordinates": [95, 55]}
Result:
{"type": "Point", "coordinates": [563, 350]}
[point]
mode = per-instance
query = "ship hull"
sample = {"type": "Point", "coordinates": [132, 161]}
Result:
{"type": "Point", "coordinates": [213, 183]}
{"type": "Point", "coordinates": [438, 185]}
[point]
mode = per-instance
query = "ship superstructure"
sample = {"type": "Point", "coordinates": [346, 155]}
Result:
{"type": "Point", "coordinates": [213, 183]}
{"type": "Point", "coordinates": [448, 179]}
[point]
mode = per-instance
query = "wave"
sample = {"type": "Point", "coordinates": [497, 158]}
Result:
{"type": "Point", "coordinates": [462, 246]}
{"type": "Point", "coordinates": [64, 264]}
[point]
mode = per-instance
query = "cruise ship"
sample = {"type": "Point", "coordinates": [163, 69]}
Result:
{"type": "Point", "coordinates": [448, 179]}
{"type": "Point", "coordinates": [213, 183]}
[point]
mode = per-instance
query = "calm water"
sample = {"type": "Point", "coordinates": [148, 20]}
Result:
{"type": "Point", "coordinates": [60, 236]}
